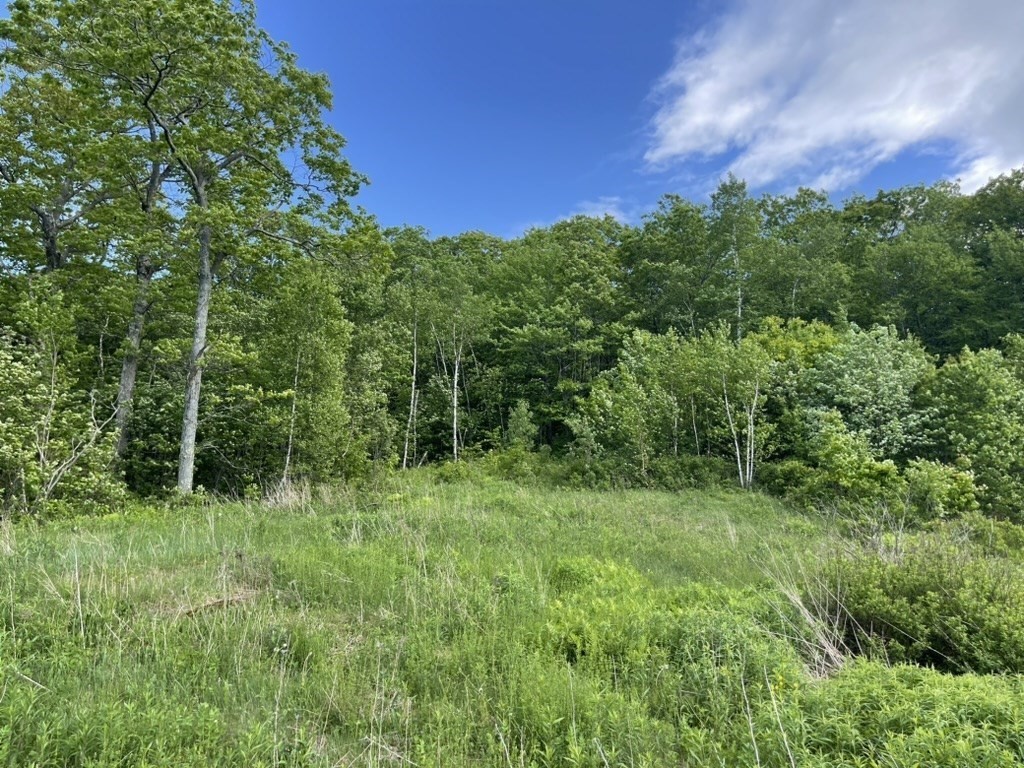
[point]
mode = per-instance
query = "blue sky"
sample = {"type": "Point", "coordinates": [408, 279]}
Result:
{"type": "Point", "coordinates": [500, 115]}
{"type": "Point", "coordinates": [488, 114]}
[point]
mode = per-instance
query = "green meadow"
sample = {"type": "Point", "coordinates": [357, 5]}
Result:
{"type": "Point", "coordinates": [475, 622]}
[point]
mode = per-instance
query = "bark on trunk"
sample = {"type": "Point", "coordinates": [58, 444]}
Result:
{"type": "Point", "coordinates": [455, 407]}
{"type": "Point", "coordinates": [739, 289]}
{"type": "Point", "coordinates": [751, 435]}
{"type": "Point", "coordinates": [145, 269]}
{"type": "Point", "coordinates": [412, 396]}
{"type": "Point", "coordinates": [130, 363]}
{"type": "Point", "coordinates": [693, 416]}
{"type": "Point", "coordinates": [190, 421]}
{"type": "Point", "coordinates": [286, 475]}
{"type": "Point", "coordinates": [735, 434]}
{"type": "Point", "coordinates": [51, 241]}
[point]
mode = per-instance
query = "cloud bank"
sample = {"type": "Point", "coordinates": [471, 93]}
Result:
{"type": "Point", "coordinates": [818, 92]}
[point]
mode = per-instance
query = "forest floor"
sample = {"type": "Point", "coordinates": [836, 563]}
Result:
{"type": "Point", "coordinates": [463, 623]}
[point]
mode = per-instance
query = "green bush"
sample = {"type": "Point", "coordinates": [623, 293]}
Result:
{"type": "Point", "coordinates": [874, 715]}
{"type": "Point", "coordinates": [939, 603]}
{"type": "Point", "coordinates": [847, 472]}
{"type": "Point", "coordinates": [937, 491]}
{"type": "Point", "coordinates": [989, 536]}
{"type": "Point", "coordinates": [56, 441]}
{"type": "Point", "coordinates": [674, 473]}
{"type": "Point", "coordinates": [457, 471]}
{"type": "Point", "coordinates": [977, 406]}
{"type": "Point", "coordinates": [716, 645]}
{"type": "Point", "coordinates": [520, 464]}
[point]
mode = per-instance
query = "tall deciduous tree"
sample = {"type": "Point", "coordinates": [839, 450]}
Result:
{"type": "Point", "coordinates": [54, 174]}
{"type": "Point", "coordinates": [672, 275]}
{"type": "Point", "coordinates": [460, 317]}
{"type": "Point", "coordinates": [734, 227]}
{"type": "Point", "coordinates": [235, 120]}
{"type": "Point", "coordinates": [922, 285]}
{"type": "Point", "coordinates": [561, 312]}
{"type": "Point", "coordinates": [91, 173]}
{"type": "Point", "coordinates": [803, 274]}
{"type": "Point", "coordinates": [994, 233]}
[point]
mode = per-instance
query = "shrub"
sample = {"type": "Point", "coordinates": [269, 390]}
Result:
{"type": "Point", "coordinates": [56, 444]}
{"type": "Point", "coordinates": [870, 714]}
{"type": "Point", "coordinates": [675, 473]}
{"type": "Point", "coordinates": [989, 536]}
{"type": "Point", "coordinates": [870, 378]}
{"type": "Point", "coordinates": [839, 468]}
{"type": "Point", "coordinates": [522, 430]}
{"type": "Point", "coordinates": [977, 402]}
{"type": "Point", "coordinates": [940, 604]}
{"type": "Point", "coordinates": [937, 491]}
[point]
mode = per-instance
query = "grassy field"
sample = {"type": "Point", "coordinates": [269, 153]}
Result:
{"type": "Point", "coordinates": [449, 624]}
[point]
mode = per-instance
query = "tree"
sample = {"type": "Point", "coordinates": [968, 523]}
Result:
{"type": "Point", "coordinates": [229, 106]}
{"type": "Point", "coordinates": [91, 173]}
{"type": "Point", "coordinates": [977, 420]}
{"type": "Point", "coordinates": [733, 230]}
{"type": "Point", "coordinates": [54, 446]}
{"type": "Point", "coordinates": [993, 222]}
{"type": "Point", "coordinates": [740, 372]}
{"type": "Point", "coordinates": [560, 315]}
{"type": "Point", "coordinates": [638, 411]}
{"type": "Point", "coordinates": [459, 317]}
{"type": "Point", "coordinates": [802, 273]}
{"type": "Point", "coordinates": [922, 285]}
{"type": "Point", "coordinates": [412, 249]}
{"type": "Point", "coordinates": [303, 354]}
{"type": "Point", "coordinates": [872, 379]}
{"type": "Point", "coordinates": [672, 275]}
{"type": "Point", "coordinates": [55, 176]}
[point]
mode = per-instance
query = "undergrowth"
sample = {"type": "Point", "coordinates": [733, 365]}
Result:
{"type": "Point", "coordinates": [448, 622]}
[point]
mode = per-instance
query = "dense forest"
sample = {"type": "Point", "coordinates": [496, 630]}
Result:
{"type": "Point", "coordinates": [191, 300]}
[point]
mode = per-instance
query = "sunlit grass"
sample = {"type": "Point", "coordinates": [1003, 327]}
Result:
{"type": "Point", "coordinates": [417, 622]}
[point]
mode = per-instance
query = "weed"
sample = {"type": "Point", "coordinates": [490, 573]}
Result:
{"type": "Point", "coordinates": [464, 622]}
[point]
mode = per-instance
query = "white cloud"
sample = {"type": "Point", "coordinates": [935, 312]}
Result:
{"type": "Point", "coordinates": [819, 92]}
{"type": "Point", "coordinates": [611, 205]}
{"type": "Point", "coordinates": [619, 208]}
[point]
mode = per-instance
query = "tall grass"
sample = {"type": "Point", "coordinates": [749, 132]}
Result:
{"type": "Point", "coordinates": [449, 624]}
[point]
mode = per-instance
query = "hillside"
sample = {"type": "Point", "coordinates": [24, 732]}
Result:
{"type": "Point", "coordinates": [474, 622]}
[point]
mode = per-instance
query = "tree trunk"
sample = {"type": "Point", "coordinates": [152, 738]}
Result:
{"type": "Point", "coordinates": [130, 363]}
{"type": "Point", "coordinates": [55, 258]}
{"type": "Point", "coordinates": [412, 395]}
{"type": "Point", "coordinates": [693, 415]}
{"type": "Point", "coordinates": [286, 476]}
{"type": "Point", "coordinates": [739, 288]}
{"type": "Point", "coordinates": [675, 427]}
{"type": "Point", "coordinates": [455, 406]}
{"type": "Point", "coordinates": [751, 435]}
{"type": "Point", "coordinates": [145, 269]}
{"type": "Point", "coordinates": [190, 421]}
{"type": "Point", "coordinates": [735, 435]}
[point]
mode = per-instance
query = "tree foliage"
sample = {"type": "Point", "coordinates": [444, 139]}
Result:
{"type": "Point", "coordinates": [189, 299]}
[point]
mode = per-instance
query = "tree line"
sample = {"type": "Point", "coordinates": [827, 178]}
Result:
{"type": "Point", "coordinates": [190, 298]}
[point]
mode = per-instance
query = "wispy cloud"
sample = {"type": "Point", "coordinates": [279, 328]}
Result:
{"type": "Point", "coordinates": [818, 93]}
{"type": "Point", "coordinates": [611, 205]}
{"type": "Point", "coordinates": [624, 210]}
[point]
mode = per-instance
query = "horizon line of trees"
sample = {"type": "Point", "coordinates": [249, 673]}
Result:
{"type": "Point", "coordinates": [189, 298]}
